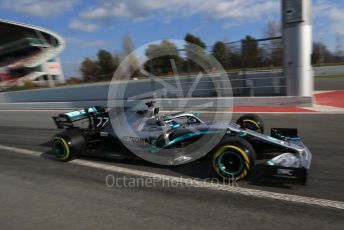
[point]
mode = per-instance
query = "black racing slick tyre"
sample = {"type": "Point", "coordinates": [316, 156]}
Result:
{"type": "Point", "coordinates": [68, 145]}
{"type": "Point", "coordinates": [252, 122]}
{"type": "Point", "coordinates": [233, 159]}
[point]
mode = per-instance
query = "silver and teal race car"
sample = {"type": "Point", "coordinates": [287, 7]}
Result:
{"type": "Point", "coordinates": [182, 137]}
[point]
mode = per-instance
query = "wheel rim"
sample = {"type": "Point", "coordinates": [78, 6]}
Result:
{"type": "Point", "coordinates": [59, 149]}
{"type": "Point", "coordinates": [252, 125]}
{"type": "Point", "coordinates": [230, 163]}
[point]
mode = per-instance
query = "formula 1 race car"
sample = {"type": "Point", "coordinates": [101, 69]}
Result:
{"type": "Point", "coordinates": [233, 157]}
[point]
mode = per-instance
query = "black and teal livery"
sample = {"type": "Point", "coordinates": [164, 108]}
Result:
{"type": "Point", "coordinates": [232, 157]}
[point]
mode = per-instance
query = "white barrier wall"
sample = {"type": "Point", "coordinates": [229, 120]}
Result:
{"type": "Point", "coordinates": [206, 87]}
{"type": "Point", "coordinates": [207, 90]}
{"type": "Point", "coordinates": [328, 70]}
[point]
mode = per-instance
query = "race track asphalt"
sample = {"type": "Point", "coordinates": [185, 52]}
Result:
{"type": "Point", "coordinates": [41, 193]}
{"type": "Point", "coordinates": [334, 83]}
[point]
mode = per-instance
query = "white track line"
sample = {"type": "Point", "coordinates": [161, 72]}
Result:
{"type": "Point", "coordinates": [258, 112]}
{"type": "Point", "coordinates": [20, 150]}
{"type": "Point", "coordinates": [323, 91]}
{"type": "Point", "coordinates": [194, 182]}
{"type": "Point", "coordinates": [327, 108]}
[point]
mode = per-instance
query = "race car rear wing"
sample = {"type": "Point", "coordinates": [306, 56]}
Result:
{"type": "Point", "coordinates": [65, 120]}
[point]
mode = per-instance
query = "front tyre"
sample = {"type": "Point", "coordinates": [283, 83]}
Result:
{"type": "Point", "coordinates": [68, 144]}
{"type": "Point", "coordinates": [252, 122]}
{"type": "Point", "coordinates": [234, 159]}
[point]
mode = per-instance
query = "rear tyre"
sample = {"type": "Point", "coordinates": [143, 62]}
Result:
{"type": "Point", "coordinates": [252, 122]}
{"type": "Point", "coordinates": [68, 145]}
{"type": "Point", "coordinates": [234, 159]}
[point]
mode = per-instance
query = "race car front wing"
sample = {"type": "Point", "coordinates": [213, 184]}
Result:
{"type": "Point", "coordinates": [291, 167]}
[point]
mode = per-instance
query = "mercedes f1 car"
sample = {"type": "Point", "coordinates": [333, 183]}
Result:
{"type": "Point", "coordinates": [233, 157]}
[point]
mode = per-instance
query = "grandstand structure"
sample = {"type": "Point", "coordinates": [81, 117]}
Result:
{"type": "Point", "coordinates": [29, 53]}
